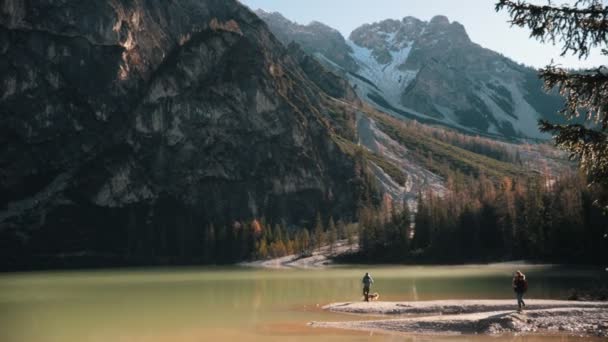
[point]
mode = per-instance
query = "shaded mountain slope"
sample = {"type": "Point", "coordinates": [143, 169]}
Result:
{"type": "Point", "coordinates": [129, 126]}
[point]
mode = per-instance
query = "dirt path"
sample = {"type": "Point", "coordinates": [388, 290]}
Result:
{"type": "Point", "coordinates": [477, 317]}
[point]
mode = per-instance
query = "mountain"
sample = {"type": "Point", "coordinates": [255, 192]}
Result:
{"type": "Point", "coordinates": [431, 72]}
{"type": "Point", "coordinates": [128, 127]}
{"type": "Point", "coordinates": [173, 131]}
{"type": "Point", "coordinates": [315, 38]}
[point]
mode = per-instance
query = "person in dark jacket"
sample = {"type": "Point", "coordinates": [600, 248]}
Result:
{"type": "Point", "coordinates": [520, 286]}
{"type": "Point", "coordinates": [367, 283]}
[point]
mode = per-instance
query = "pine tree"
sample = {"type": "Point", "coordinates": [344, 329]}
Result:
{"type": "Point", "coordinates": [422, 229]}
{"type": "Point", "coordinates": [332, 234]}
{"type": "Point", "coordinates": [402, 240]}
{"type": "Point", "coordinates": [365, 229]}
{"type": "Point", "coordinates": [266, 231]}
{"type": "Point", "coordinates": [277, 234]}
{"type": "Point", "coordinates": [247, 241]}
{"type": "Point", "coordinates": [490, 235]}
{"type": "Point", "coordinates": [579, 28]}
{"type": "Point", "coordinates": [341, 230]}
{"type": "Point", "coordinates": [222, 245]}
{"type": "Point", "coordinates": [285, 233]}
{"type": "Point", "coordinates": [209, 244]}
{"type": "Point", "coordinates": [319, 232]}
{"type": "Point", "coordinates": [262, 249]}
{"type": "Point", "coordinates": [350, 235]}
{"type": "Point", "coordinates": [468, 233]}
{"type": "Point", "coordinates": [303, 242]}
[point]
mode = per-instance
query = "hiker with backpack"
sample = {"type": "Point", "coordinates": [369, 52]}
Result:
{"type": "Point", "coordinates": [520, 286]}
{"type": "Point", "coordinates": [367, 282]}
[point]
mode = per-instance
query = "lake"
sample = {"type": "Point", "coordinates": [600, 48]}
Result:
{"type": "Point", "coordinates": [245, 304]}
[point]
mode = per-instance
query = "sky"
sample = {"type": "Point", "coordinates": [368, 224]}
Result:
{"type": "Point", "coordinates": [484, 26]}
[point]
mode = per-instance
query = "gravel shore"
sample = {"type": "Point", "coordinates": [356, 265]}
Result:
{"type": "Point", "coordinates": [492, 317]}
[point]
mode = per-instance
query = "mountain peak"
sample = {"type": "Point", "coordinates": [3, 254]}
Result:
{"type": "Point", "coordinates": [440, 20]}
{"type": "Point", "coordinates": [312, 38]}
{"type": "Point", "coordinates": [410, 22]}
{"type": "Point", "coordinates": [278, 17]}
{"type": "Point", "coordinates": [409, 19]}
{"type": "Point", "coordinates": [453, 31]}
{"type": "Point", "coordinates": [390, 36]}
{"type": "Point", "coordinates": [275, 15]}
{"type": "Point", "coordinates": [321, 26]}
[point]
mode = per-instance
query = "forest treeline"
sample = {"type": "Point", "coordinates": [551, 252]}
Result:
{"type": "Point", "coordinates": [258, 240]}
{"type": "Point", "coordinates": [488, 147]}
{"type": "Point", "coordinates": [541, 219]}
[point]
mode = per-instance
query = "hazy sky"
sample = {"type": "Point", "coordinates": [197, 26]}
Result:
{"type": "Point", "coordinates": [483, 24]}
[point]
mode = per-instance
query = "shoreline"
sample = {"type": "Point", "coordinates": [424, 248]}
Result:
{"type": "Point", "coordinates": [318, 259]}
{"type": "Point", "coordinates": [488, 317]}
{"type": "Point", "coordinates": [324, 257]}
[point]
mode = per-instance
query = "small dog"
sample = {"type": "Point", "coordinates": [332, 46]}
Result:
{"type": "Point", "coordinates": [373, 296]}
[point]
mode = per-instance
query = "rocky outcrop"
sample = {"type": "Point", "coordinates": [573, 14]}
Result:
{"type": "Point", "coordinates": [128, 126]}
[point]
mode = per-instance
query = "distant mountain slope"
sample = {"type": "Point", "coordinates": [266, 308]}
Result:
{"type": "Point", "coordinates": [313, 38]}
{"type": "Point", "coordinates": [408, 158]}
{"type": "Point", "coordinates": [430, 71]}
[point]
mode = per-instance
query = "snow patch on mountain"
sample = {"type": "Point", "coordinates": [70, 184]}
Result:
{"type": "Point", "coordinates": [388, 78]}
{"type": "Point", "coordinates": [526, 122]}
{"type": "Point", "coordinates": [528, 117]}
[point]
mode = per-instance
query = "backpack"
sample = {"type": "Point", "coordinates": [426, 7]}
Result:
{"type": "Point", "coordinates": [521, 285]}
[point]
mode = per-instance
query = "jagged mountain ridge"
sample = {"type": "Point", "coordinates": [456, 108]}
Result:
{"type": "Point", "coordinates": [129, 126]}
{"type": "Point", "coordinates": [431, 72]}
{"type": "Point", "coordinates": [314, 38]}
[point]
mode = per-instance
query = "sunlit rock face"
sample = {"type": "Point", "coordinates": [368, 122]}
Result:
{"type": "Point", "coordinates": [432, 72]}
{"type": "Point", "coordinates": [128, 126]}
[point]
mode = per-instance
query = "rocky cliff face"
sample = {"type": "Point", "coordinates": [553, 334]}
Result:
{"type": "Point", "coordinates": [128, 126]}
{"type": "Point", "coordinates": [432, 72]}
